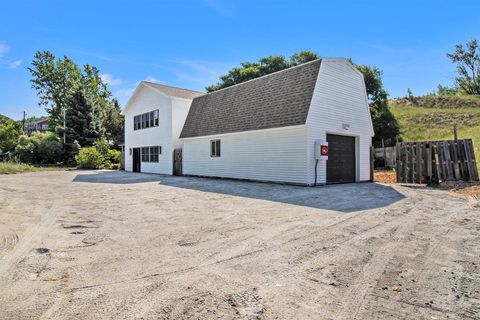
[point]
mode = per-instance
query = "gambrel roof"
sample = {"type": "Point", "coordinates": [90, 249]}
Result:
{"type": "Point", "coordinates": [279, 99]}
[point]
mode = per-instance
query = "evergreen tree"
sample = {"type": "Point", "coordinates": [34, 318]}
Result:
{"type": "Point", "coordinates": [82, 120]}
{"type": "Point", "coordinates": [113, 123]}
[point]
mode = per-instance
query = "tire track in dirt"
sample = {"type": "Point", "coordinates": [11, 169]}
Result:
{"type": "Point", "coordinates": [354, 300]}
{"type": "Point", "coordinates": [31, 238]}
{"type": "Point", "coordinates": [8, 241]}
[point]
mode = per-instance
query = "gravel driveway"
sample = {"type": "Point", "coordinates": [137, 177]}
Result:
{"type": "Point", "coordinates": [116, 245]}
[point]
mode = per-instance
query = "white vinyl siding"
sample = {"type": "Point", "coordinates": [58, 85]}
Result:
{"type": "Point", "coordinates": [148, 101]}
{"type": "Point", "coordinates": [180, 108]}
{"type": "Point", "coordinates": [266, 155]}
{"type": "Point", "coordinates": [339, 98]}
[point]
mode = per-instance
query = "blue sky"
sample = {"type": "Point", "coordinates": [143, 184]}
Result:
{"type": "Point", "coordinates": [190, 43]}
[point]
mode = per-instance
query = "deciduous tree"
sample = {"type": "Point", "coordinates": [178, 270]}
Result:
{"type": "Point", "coordinates": [10, 132]}
{"type": "Point", "coordinates": [385, 124]}
{"type": "Point", "coordinates": [467, 60]}
{"type": "Point", "coordinates": [61, 83]}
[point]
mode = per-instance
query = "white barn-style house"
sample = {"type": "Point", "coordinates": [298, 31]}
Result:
{"type": "Point", "coordinates": [267, 128]}
{"type": "Point", "coordinates": [154, 116]}
{"type": "Point", "coordinates": [273, 128]}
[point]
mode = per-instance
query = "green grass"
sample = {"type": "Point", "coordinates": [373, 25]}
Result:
{"type": "Point", "coordinates": [14, 167]}
{"type": "Point", "coordinates": [429, 124]}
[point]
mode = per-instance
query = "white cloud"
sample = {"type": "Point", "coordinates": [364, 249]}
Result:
{"type": "Point", "coordinates": [15, 64]}
{"type": "Point", "coordinates": [3, 49]}
{"type": "Point", "coordinates": [152, 79]}
{"type": "Point", "coordinates": [110, 80]}
{"type": "Point", "coordinates": [225, 8]}
{"type": "Point", "coordinates": [124, 93]}
{"type": "Point", "coordinates": [198, 74]}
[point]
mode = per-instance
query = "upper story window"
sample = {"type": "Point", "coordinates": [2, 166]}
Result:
{"type": "Point", "coordinates": [215, 148]}
{"type": "Point", "coordinates": [145, 120]}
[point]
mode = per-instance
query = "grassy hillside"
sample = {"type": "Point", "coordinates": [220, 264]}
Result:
{"type": "Point", "coordinates": [427, 123]}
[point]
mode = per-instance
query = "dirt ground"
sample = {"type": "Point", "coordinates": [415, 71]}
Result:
{"type": "Point", "coordinates": [115, 245]}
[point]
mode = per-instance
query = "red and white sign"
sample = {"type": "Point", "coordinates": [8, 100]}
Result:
{"type": "Point", "coordinates": [324, 150]}
{"type": "Point", "coordinates": [321, 150]}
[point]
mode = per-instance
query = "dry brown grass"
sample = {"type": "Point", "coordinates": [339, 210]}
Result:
{"type": "Point", "coordinates": [471, 189]}
{"type": "Point", "coordinates": [384, 176]}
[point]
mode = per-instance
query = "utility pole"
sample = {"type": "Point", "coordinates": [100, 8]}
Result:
{"type": "Point", "coordinates": [64, 127]}
{"type": "Point", "coordinates": [23, 121]}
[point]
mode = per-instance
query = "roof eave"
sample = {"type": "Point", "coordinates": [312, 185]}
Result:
{"type": "Point", "coordinates": [243, 132]}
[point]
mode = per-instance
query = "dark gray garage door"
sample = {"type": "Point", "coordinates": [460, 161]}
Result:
{"type": "Point", "coordinates": [341, 159]}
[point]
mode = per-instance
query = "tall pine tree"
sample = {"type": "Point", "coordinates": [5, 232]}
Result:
{"type": "Point", "coordinates": [82, 120]}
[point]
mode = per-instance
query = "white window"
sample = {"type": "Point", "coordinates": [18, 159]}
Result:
{"type": "Point", "coordinates": [215, 148]}
{"type": "Point", "coordinates": [145, 120]}
{"type": "Point", "coordinates": [151, 154]}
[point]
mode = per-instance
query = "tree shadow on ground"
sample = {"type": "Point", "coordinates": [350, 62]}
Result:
{"type": "Point", "coordinates": [341, 197]}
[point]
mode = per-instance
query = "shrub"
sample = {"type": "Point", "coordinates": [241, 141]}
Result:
{"type": "Point", "coordinates": [10, 131]}
{"type": "Point", "coordinates": [90, 158]}
{"type": "Point", "coordinates": [40, 148]}
{"type": "Point", "coordinates": [115, 166]}
{"type": "Point", "coordinates": [113, 156]}
{"type": "Point", "coordinates": [99, 156]}
{"type": "Point", "coordinates": [102, 146]}
{"type": "Point", "coordinates": [71, 151]}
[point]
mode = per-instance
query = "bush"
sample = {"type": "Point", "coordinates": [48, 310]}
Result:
{"type": "Point", "coordinates": [90, 158]}
{"type": "Point", "coordinates": [99, 156]}
{"type": "Point", "coordinates": [40, 148]}
{"type": "Point", "coordinates": [113, 156]}
{"type": "Point", "coordinates": [10, 132]}
{"type": "Point", "coordinates": [71, 151]}
{"type": "Point", "coordinates": [102, 146]}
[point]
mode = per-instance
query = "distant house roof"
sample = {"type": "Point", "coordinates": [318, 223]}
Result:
{"type": "Point", "coordinates": [279, 99]}
{"type": "Point", "coordinates": [174, 91]}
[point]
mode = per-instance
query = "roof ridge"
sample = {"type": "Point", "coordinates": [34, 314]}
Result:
{"type": "Point", "coordinates": [266, 75]}
{"type": "Point", "coordinates": [165, 85]}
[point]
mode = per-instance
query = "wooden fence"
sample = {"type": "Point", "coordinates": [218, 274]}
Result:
{"type": "Point", "coordinates": [386, 157]}
{"type": "Point", "coordinates": [436, 161]}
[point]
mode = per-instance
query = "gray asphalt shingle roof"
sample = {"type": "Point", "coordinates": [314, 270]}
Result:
{"type": "Point", "coordinates": [276, 100]}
